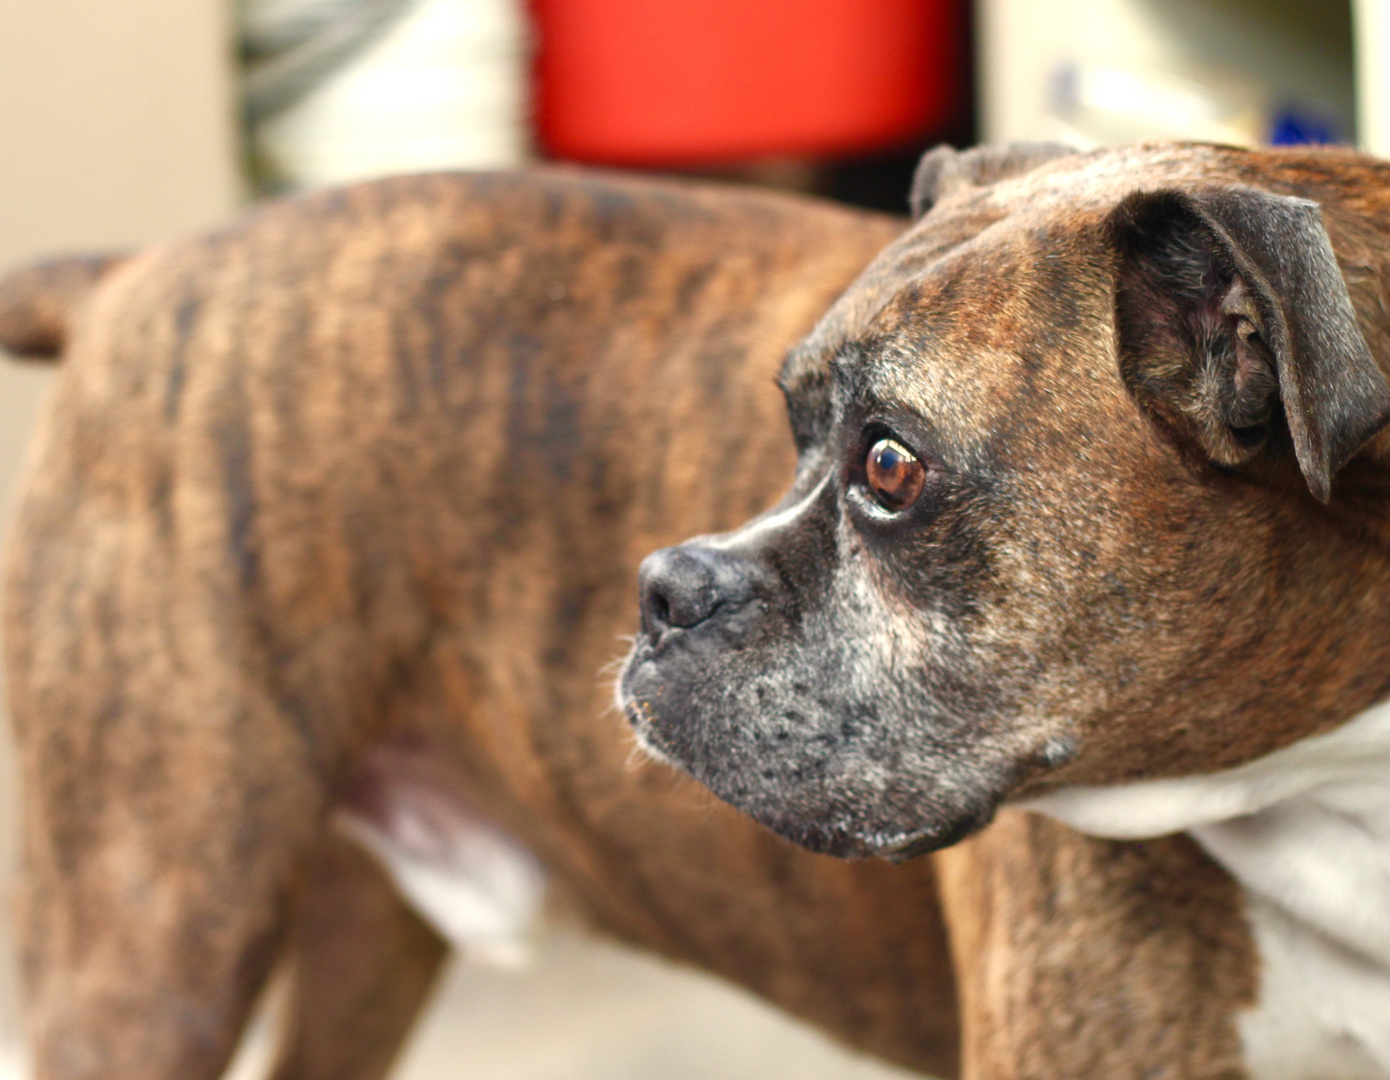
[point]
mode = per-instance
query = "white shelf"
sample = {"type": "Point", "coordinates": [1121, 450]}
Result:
{"type": "Point", "coordinates": [1371, 30]}
{"type": "Point", "coordinates": [1105, 71]}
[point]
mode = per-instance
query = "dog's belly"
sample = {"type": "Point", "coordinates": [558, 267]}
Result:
{"type": "Point", "coordinates": [1306, 832]}
{"type": "Point", "coordinates": [480, 889]}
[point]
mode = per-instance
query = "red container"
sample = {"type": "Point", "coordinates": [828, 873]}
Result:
{"type": "Point", "coordinates": [688, 82]}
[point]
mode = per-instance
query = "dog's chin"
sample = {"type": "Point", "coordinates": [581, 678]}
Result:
{"type": "Point", "coordinates": [849, 839]}
{"type": "Point", "coordinates": [844, 835]}
{"type": "Point", "coordinates": [901, 847]}
{"type": "Point", "coordinates": [647, 748]}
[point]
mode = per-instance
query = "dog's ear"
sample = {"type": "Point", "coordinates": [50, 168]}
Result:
{"type": "Point", "coordinates": [1228, 305]}
{"type": "Point", "coordinates": [943, 170]}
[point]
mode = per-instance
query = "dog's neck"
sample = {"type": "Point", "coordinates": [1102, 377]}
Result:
{"type": "Point", "coordinates": [1306, 831]}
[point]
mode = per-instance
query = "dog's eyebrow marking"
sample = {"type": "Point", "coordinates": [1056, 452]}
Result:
{"type": "Point", "coordinates": [846, 369]}
{"type": "Point", "coordinates": [774, 519]}
{"type": "Point", "coordinates": [884, 370]}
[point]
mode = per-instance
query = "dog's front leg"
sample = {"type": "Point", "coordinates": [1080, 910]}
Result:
{"type": "Point", "coordinates": [361, 964]}
{"type": "Point", "coordinates": [1079, 957]}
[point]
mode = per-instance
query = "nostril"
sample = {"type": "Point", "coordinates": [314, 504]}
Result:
{"type": "Point", "coordinates": [678, 590]}
{"type": "Point", "coordinates": [661, 610]}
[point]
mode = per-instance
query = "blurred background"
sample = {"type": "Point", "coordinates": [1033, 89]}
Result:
{"type": "Point", "coordinates": [124, 122]}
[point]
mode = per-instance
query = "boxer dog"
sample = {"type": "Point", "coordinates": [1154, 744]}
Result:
{"type": "Point", "coordinates": [336, 516]}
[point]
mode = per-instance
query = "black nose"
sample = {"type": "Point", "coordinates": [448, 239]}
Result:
{"type": "Point", "coordinates": [679, 588]}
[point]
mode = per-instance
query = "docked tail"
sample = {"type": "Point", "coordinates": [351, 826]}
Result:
{"type": "Point", "coordinates": [37, 302]}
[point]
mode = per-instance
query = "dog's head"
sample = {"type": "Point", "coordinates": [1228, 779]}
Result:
{"type": "Point", "coordinates": [1061, 510]}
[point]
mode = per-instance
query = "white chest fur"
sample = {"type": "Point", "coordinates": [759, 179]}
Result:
{"type": "Point", "coordinates": [1306, 831]}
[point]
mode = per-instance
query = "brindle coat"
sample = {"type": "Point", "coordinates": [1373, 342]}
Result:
{"type": "Point", "coordinates": [377, 469]}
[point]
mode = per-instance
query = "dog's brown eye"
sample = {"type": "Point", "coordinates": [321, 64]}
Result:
{"type": "Point", "coordinates": [894, 475]}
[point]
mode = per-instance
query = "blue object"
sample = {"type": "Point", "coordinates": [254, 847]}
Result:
{"type": "Point", "coordinates": [1294, 127]}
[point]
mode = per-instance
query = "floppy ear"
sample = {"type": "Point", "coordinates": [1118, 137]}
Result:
{"type": "Point", "coordinates": [944, 170]}
{"type": "Point", "coordinates": [1229, 305]}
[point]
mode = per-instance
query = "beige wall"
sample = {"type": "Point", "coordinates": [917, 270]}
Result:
{"type": "Point", "coordinates": [115, 121]}
{"type": "Point", "coordinates": [116, 128]}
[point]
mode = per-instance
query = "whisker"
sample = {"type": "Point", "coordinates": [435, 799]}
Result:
{"type": "Point", "coordinates": [637, 757]}
{"type": "Point", "coordinates": [612, 666]}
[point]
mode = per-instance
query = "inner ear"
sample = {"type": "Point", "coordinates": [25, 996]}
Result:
{"type": "Point", "coordinates": [1192, 345]}
{"type": "Point", "coordinates": [1250, 388]}
{"type": "Point", "coordinates": [1233, 324]}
